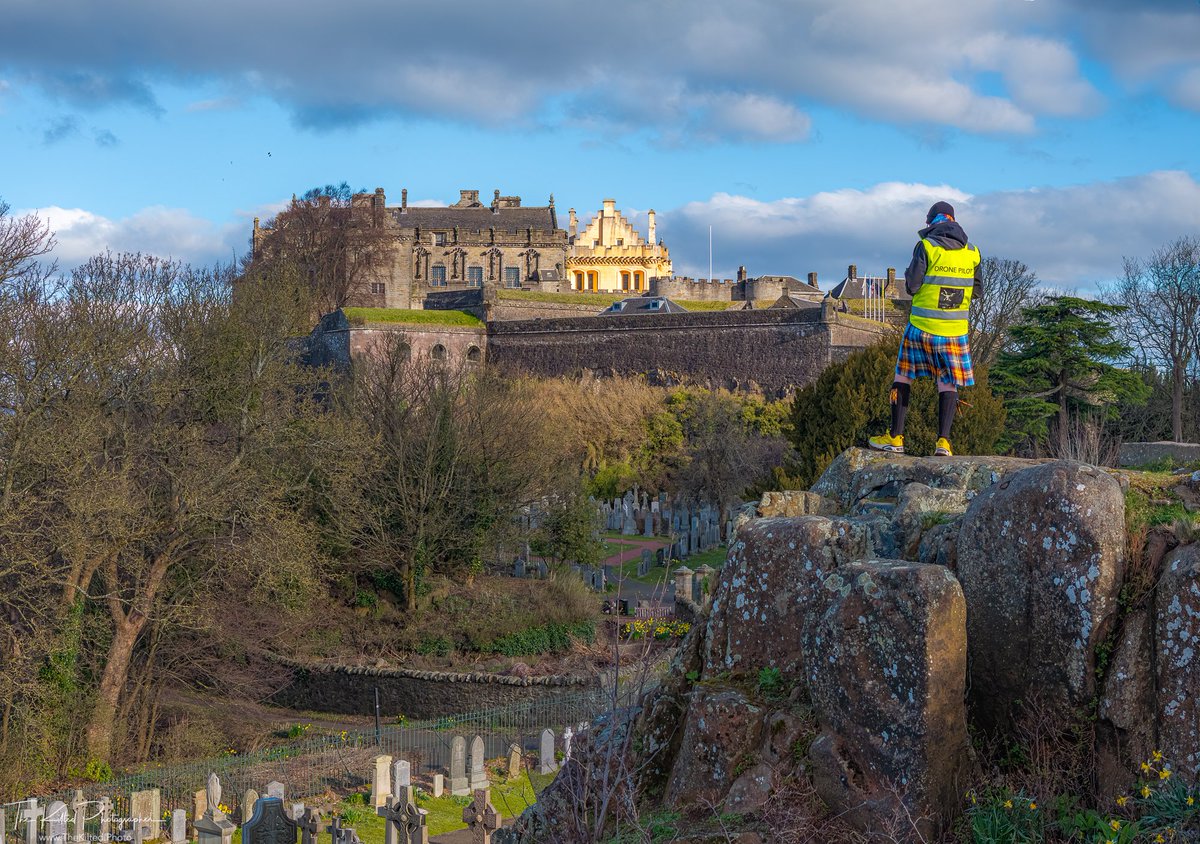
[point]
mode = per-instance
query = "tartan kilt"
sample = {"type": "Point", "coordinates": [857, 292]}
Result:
{"type": "Point", "coordinates": [923, 355]}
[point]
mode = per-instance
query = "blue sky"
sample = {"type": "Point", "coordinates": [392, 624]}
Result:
{"type": "Point", "coordinates": [809, 134]}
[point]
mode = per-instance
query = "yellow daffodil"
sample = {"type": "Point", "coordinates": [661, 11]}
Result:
{"type": "Point", "coordinates": [1007, 804]}
{"type": "Point", "coordinates": [1122, 800]}
{"type": "Point", "coordinates": [1164, 774]}
{"type": "Point", "coordinates": [1157, 755]}
{"type": "Point", "coordinates": [1145, 791]}
{"type": "Point", "coordinates": [1191, 800]}
{"type": "Point", "coordinates": [1158, 839]}
{"type": "Point", "coordinates": [1033, 807]}
{"type": "Point", "coordinates": [1115, 825]}
{"type": "Point", "coordinates": [1145, 767]}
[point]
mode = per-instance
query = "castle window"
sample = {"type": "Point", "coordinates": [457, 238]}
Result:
{"type": "Point", "coordinates": [620, 241]}
{"type": "Point", "coordinates": [474, 276]}
{"type": "Point", "coordinates": [474, 355]}
{"type": "Point", "coordinates": [512, 277]}
{"type": "Point", "coordinates": [438, 352]}
{"type": "Point", "coordinates": [437, 275]}
{"type": "Point", "coordinates": [639, 281]}
{"type": "Point", "coordinates": [624, 280]}
{"type": "Point", "coordinates": [439, 238]}
{"type": "Point", "coordinates": [378, 288]}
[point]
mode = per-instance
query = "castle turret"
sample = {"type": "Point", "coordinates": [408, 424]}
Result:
{"type": "Point", "coordinates": [572, 223]}
{"type": "Point", "coordinates": [651, 231]}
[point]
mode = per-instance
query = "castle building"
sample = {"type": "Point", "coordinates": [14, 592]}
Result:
{"type": "Point", "coordinates": [609, 255]}
{"type": "Point", "coordinates": [458, 247]}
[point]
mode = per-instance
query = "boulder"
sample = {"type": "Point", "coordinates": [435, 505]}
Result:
{"type": "Point", "coordinates": [792, 503]}
{"type": "Point", "coordinates": [859, 473]}
{"type": "Point", "coordinates": [1041, 558]}
{"type": "Point", "coordinates": [722, 731]}
{"type": "Point", "coordinates": [887, 675]}
{"type": "Point", "coordinates": [919, 508]}
{"type": "Point", "coordinates": [1176, 642]}
{"type": "Point", "coordinates": [769, 584]}
{"type": "Point", "coordinates": [1125, 729]}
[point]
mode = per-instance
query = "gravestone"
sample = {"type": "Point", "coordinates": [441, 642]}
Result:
{"type": "Point", "coordinates": [644, 565]}
{"type": "Point", "coordinates": [547, 764]}
{"type": "Point", "coordinates": [543, 569]}
{"type": "Point", "coordinates": [297, 813]}
{"type": "Point", "coordinates": [568, 734]}
{"type": "Point", "coordinates": [481, 818]}
{"type": "Point", "coordinates": [683, 583]}
{"type": "Point", "coordinates": [30, 816]}
{"type": "Point", "coordinates": [105, 812]}
{"type": "Point", "coordinates": [648, 525]}
{"type": "Point", "coordinates": [78, 817]}
{"type": "Point", "coordinates": [178, 826]}
{"type": "Point", "coordinates": [56, 823]}
{"type": "Point", "coordinates": [310, 826]}
{"type": "Point", "coordinates": [514, 762]}
{"type": "Point", "coordinates": [145, 807]}
{"type": "Point", "coordinates": [519, 567]}
{"type": "Point", "coordinates": [381, 784]}
{"type": "Point", "coordinates": [270, 824]}
{"type": "Point", "coordinates": [406, 823]}
{"type": "Point", "coordinates": [248, 801]}
{"type": "Point", "coordinates": [275, 789]}
{"type": "Point", "coordinates": [402, 780]}
{"type": "Point", "coordinates": [478, 772]}
{"type": "Point", "coordinates": [213, 827]}
{"type": "Point", "coordinates": [660, 557]}
{"type": "Point", "coordinates": [459, 785]}
{"type": "Point", "coordinates": [342, 834]}
{"type": "Point", "coordinates": [438, 786]}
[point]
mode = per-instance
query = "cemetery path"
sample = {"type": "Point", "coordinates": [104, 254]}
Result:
{"type": "Point", "coordinates": [629, 587]}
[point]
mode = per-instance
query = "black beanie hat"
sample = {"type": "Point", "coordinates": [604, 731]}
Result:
{"type": "Point", "coordinates": [939, 208]}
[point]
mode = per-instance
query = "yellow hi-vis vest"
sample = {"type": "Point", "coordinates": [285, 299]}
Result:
{"type": "Point", "coordinates": [941, 305]}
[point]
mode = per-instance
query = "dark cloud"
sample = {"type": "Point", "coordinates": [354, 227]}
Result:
{"type": "Point", "coordinates": [105, 138]}
{"type": "Point", "coordinates": [60, 129]}
{"type": "Point", "coordinates": [706, 69]}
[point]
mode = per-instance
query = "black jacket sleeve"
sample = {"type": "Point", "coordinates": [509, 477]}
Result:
{"type": "Point", "coordinates": [914, 276]}
{"type": "Point", "coordinates": [977, 288]}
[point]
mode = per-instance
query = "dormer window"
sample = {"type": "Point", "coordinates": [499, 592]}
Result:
{"type": "Point", "coordinates": [439, 238]}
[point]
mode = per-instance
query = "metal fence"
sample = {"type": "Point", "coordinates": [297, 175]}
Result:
{"type": "Point", "coordinates": [342, 762]}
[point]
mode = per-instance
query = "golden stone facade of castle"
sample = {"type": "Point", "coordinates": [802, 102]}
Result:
{"type": "Point", "coordinates": [610, 256]}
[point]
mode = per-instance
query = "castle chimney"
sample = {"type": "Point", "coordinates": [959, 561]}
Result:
{"type": "Point", "coordinates": [572, 223]}
{"type": "Point", "coordinates": [812, 279]}
{"type": "Point", "coordinates": [852, 272]}
{"type": "Point", "coordinates": [741, 273]}
{"type": "Point", "coordinates": [404, 201]}
{"type": "Point", "coordinates": [651, 234]}
{"type": "Point", "coordinates": [891, 278]}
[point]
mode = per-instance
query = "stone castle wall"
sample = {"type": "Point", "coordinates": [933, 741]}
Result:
{"type": "Point", "coordinates": [771, 350]}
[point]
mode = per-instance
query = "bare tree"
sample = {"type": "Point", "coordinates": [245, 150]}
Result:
{"type": "Point", "coordinates": [1008, 286]}
{"type": "Point", "coordinates": [1161, 295]}
{"type": "Point", "coordinates": [337, 243]}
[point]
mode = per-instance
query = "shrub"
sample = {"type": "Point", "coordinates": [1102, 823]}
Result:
{"type": "Point", "coordinates": [548, 638]}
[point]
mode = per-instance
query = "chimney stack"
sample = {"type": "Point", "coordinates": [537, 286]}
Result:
{"type": "Point", "coordinates": [812, 279]}
{"type": "Point", "coordinates": [852, 272]}
{"type": "Point", "coordinates": [651, 230]}
{"type": "Point", "coordinates": [404, 201]}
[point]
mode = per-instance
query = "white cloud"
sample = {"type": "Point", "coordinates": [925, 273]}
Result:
{"type": "Point", "coordinates": [157, 230]}
{"type": "Point", "coordinates": [1074, 237]}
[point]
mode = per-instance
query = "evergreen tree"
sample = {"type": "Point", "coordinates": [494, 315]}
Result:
{"type": "Point", "coordinates": [1058, 368]}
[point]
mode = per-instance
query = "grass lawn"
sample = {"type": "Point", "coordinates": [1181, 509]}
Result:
{"type": "Point", "coordinates": [361, 316]}
{"type": "Point", "coordinates": [701, 305]}
{"type": "Point", "coordinates": [656, 575]}
{"type": "Point", "coordinates": [599, 300]}
{"type": "Point", "coordinates": [714, 557]}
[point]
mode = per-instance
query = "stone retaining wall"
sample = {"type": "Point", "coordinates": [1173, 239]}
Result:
{"type": "Point", "coordinates": [416, 694]}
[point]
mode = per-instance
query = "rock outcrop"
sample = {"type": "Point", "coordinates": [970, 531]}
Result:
{"type": "Point", "coordinates": [840, 646]}
{"type": "Point", "coordinates": [1041, 558]}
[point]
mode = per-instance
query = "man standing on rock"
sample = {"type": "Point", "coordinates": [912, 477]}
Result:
{"type": "Point", "coordinates": [943, 275]}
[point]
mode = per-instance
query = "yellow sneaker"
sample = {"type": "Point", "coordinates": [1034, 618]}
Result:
{"type": "Point", "coordinates": [886, 442]}
{"type": "Point", "coordinates": [943, 448]}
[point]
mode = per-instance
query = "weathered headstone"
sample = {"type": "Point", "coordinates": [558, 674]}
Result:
{"type": "Point", "coordinates": [381, 782]}
{"type": "Point", "coordinates": [644, 565]}
{"type": "Point", "coordinates": [178, 826]}
{"type": "Point", "coordinates": [478, 772]}
{"type": "Point", "coordinates": [56, 823]}
{"type": "Point", "coordinates": [270, 824]}
{"type": "Point", "coordinates": [683, 583]}
{"type": "Point", "coordinates": [310, 826]}
{"type": "Point", "coordinates": [514, 762]}
{"type": "Point", "coordinates": [342, 834]}
{"type": "Point", "coordinates": [30, 817]}
{"type": "Point", "coordinates": [547, 764]}
{"type": "Point", "coordinates": [248, 800]}
{"type": "Point", "coordinates": [78, 817]}
{"type": "Point", "coordinates": [519, 567]}
{"type": "Point", "coordinates": [297, 812]}
{"type": "Point", "coordinates": [438, 786]}
{"type": "Point", "coordinates": [145, 807]}
{"type": "Point", "coordinates": [481, 818]}
{"type": "Point", "coordinates": [214, 827]}
{"type": "Point", "coordinates": [276, 789]}
{"type": "Point", "coordinates": [459, 785]}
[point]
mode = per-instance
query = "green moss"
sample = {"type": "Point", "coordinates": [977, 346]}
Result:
{"type": "Point", "coordinates": [361, 316]}
{"type": "Point", "coordinates": [1143, 511]}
